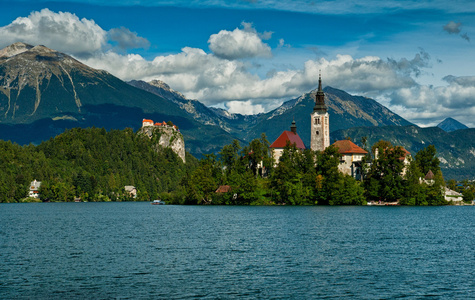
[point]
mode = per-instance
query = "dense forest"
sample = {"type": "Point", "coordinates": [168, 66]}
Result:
{"type": "Point", "coordinates": [95, 165]}
{"type": "Point", "coordinates": [90, 164]}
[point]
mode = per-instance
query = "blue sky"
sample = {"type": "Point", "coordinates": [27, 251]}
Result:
{"type": "Point", "coordinates": [415, 57]}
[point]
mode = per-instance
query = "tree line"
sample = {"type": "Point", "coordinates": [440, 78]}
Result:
{"type": "Point", "coordinates": [312, 177]}
{"type": "Point", "coordinates": [94, 165]}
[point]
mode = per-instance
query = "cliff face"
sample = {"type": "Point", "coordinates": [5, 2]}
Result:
{"type": "Point", "coordinates": [166, 137]}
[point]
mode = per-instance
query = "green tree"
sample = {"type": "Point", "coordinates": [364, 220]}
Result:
{"type": "Point", "coordinates": [384, 179]}
{"type": "Point", "coordinates": [426, 160]}
{"type": "Point", "coordinates": [229, 155]}
{"type": "Point", "coordinates": [415, 192]}
{"type": "Point", "coordinates": [435, 194]}
{"type": "Point", "coordinates": [257, 156]}
{"type": "Point", "coordinates": [330, 177]}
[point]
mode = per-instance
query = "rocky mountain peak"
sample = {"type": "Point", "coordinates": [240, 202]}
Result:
{"type": "Point", "coordinates": [162, 85]}
{"type": "Point", "coordinates": [28, 74]}
{"type": "Point", "coordinates": [42, 49]}
{"type": "Point", "coordinates": [14, 49]}
{"type": "Point", "coordinates": [159, 84]}
{"type": "Point", "coordinates": [449, 125]}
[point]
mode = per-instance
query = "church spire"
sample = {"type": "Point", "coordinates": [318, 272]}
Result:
{"type": "Point", "coordinates": [320, 97]}
{"type": "Point", "coordinates": [293, 128]}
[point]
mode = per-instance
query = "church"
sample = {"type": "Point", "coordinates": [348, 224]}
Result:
{"type": "Point", "coordinates": [352, 155]}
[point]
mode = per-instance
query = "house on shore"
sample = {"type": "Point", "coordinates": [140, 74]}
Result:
{"type": "Point", "coordinates": [34, 189]}
{"type": "Point", "coordinates": [351, 162]}
{"type": "Point", "coordinates": [131, 190]}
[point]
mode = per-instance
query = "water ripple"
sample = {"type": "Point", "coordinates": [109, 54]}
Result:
{"type": "Point", "coordinates": [135, 251]}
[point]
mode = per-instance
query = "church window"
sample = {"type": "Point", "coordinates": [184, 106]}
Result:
{"type": "Point", "coordinates": [317, 121]}
{"type": "Point", "coordinates": [317, 132]}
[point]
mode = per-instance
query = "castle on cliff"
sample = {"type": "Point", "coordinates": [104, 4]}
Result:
{"type": "Point", "coordinates": [169, 136]}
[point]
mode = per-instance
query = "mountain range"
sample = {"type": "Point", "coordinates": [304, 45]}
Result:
{"type": "Point", "coordinates": [43, 92]}
{"type": "Point", "coordinates": [346, 111]}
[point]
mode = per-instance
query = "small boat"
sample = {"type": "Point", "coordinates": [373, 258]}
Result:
{"type": "Point", "coordinates": [158, 202]}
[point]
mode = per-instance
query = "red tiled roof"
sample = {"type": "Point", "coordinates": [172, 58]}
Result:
{"type": "Point", "coordinates": [147, 120]}
{"type": "Point", "coordinates": [406, 153]}
{"type": "Point", "coordinates": [293, 138]}
{"type": "Point", "coordinates": [348, 147]}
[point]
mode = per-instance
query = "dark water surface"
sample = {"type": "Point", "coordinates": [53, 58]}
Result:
{"type": "Point", "coordinates": [142, 251]}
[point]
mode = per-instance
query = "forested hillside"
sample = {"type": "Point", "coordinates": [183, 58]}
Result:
{"type": "Point", "coordinates": [92, 164]}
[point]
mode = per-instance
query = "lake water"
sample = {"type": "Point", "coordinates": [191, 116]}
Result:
{"type": "Point", "coordinates": [142, 251]}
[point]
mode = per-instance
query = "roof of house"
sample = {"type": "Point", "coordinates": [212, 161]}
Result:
{"type": "Point", "coordinates": [147, 120]}
{"type": "Point", "coordinates": [129, 188]}
{"type": "Point", "coordinates": [348, 147]}
{"type": "Point", "coordinates": [406, 153]}
{"type": "Point", "coordinates": [289, 136]}
{"type": "Point", "coordinates": [429, 175]}
{"type": "Point", "coordinates": [223, 189]}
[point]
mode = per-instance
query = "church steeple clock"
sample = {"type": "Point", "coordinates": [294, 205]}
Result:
{"type": "Point", "coordinates": [320, 123]}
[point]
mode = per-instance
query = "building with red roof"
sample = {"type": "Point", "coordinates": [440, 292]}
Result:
{"type": "Point", "coordinates": [147, 122]}
{"type": "Point", "coordinates": [287, 137]}
{"type": "Point", "coordinates": [351, 158]}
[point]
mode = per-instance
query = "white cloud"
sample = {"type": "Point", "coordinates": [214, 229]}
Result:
{"type": "Point", "coordinates": [127, 39]}
{"type": "Point", "coordinates": [65, 32]}
{"type": "Point", "coordinates": [425, 104]}
{"type": "Point", "coordinates": [245, 107]}
{"type": "Point", "coordinates": [61, 31]}
{"type": "Point", "coordinates": [240, 43]}
{"type": "Point", "coordinates": [455, 28]}
{"type": "Point", "coordinates": [452, 27]}
{"type": "Point", "coordinates": [217, 81]}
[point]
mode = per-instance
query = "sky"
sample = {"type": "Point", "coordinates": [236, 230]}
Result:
{"type": "Point", "coordinates": [249, 56]}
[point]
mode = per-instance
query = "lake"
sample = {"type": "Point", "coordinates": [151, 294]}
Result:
{"type": "Point", "coordinates": [142, 251]}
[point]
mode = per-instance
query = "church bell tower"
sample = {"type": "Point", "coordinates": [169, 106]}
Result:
{"type": "Point", "coordinates": [320, 123]}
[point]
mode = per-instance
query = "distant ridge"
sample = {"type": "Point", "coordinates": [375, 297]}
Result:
{"type": "Point", "coordinates": [346, 111]}
{"type": "Point", "coordinates": [449, 125]}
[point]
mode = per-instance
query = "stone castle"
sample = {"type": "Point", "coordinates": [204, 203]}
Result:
{"type": "Point", "coordinates": [169, 136]}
